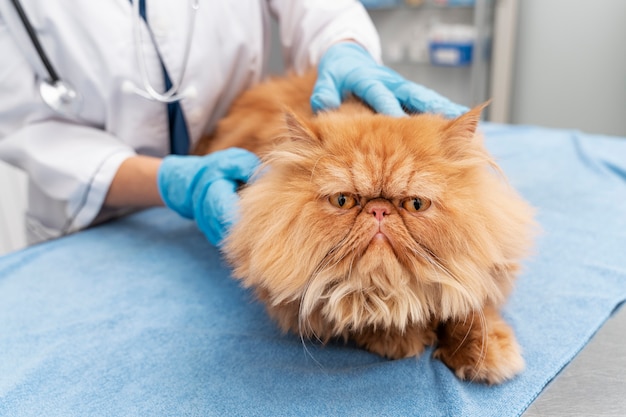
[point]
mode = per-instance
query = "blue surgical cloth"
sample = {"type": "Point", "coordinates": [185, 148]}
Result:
{"type": "Point", "coordinates": [139, 317]}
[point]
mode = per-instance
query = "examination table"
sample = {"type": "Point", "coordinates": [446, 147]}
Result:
{"type": "Point", "coordinates": [138, 317]}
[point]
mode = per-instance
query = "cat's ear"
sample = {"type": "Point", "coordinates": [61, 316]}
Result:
{"type": "Point", "coordinates": [465, 125]}
{"type": "Point", "coordinates": [298, 129]}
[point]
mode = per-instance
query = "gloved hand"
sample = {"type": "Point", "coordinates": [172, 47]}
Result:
{"type": "Point", "coordinates": [348, 68]}
{"type": "Point", "coordinates": [204, 188]}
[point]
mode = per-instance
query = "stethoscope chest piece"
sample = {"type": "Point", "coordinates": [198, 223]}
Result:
{"type": "Point", "coordinates": [64, 99]}
{"type": "Point", "coordinates": [60, 96]}
{"type": "Point", "coordinates": [56, 93]}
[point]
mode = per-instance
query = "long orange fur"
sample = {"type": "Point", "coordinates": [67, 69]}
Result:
{"type": "Point", "coordinates": [434, 276]}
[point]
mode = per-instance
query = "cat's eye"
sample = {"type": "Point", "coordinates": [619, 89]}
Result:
{"type": "Point", "coordinates": [343, 200]}
{"type": "Point", "coordinates": [416, 204]}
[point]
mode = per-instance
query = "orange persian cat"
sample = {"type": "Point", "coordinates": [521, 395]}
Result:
{"type": "Point", "coordinates": [396, 233]}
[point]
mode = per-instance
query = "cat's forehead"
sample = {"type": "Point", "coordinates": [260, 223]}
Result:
{"type": "Point", "coordinates": [382, 156]}
{"type": "Point", "coordinates": [376, 175]}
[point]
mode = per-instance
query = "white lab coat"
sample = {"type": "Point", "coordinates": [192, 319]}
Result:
{"type": "Point", "coordinates": [71, 163]}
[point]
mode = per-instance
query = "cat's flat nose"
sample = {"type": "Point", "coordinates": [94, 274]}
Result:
{"type": "Point", "coordinates": [378, 210]}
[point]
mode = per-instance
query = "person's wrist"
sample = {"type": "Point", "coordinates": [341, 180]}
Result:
{"type": "Point", "coordinates": [134, 183]}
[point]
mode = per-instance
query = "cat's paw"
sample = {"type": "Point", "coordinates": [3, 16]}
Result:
{"type": "Point", "coordinates": [396, 345]}
{"type": "Point", "coordinates": [499, 361]}
{"type": "Point", "coordinates": [485, 353]}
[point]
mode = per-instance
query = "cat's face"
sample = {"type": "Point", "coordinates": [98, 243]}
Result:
{"type": "Point", "coordinates": [372, 221]}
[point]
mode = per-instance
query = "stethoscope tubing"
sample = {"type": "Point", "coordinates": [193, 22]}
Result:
{"type": "Point", "coordinates": [172, 94]}
{"type": "Point", "coordinates": [60, 96]}
{"type": "Point", "coordinates": [52, 73]}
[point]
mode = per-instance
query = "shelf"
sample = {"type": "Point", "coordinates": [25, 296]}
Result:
{"type": "Point", "coordinates": [405, 31]}
{"type": "Point", "coordinates": [388, 5]}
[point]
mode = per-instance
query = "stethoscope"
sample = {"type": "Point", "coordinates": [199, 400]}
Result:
{"type": "Point", "coordinates": [63, 98]}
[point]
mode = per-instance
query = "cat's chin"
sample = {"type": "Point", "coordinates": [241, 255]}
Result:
{"type": "Point", "coordinates": [376, 293]}
{"type": "Point", "coordinates": [379, 238]}
{"type": "Point", "coordinates": [379, 256]}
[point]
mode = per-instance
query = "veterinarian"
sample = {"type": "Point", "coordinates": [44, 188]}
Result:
{"type": "Point", "coordinates": [101, 102]}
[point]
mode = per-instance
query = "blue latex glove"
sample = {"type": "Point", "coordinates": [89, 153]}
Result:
{"type": "Point", "coordinates": [348, 68]}
{"type": "Point", "coordinates": [204, 188]}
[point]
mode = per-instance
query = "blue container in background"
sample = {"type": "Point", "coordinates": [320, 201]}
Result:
{"type": "Point", "coordinates": [457, 3]}
{"type": "Point", "coordinates": [376, 4]}
{"type": "Point", "coordinates": [450, 54]}
{"type": "Point", "coordinates": [451, 45]}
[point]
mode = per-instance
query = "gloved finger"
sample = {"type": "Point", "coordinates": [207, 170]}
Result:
{"type": "Point", "coordinates": [379, 97]}
{"type": "Point", "coordinates": [236, 163]}
{"type": "Point", "coordinates": [217, 212]}
{"type": "Point", "coordinates": [326, 94]}
{"type": "Point", "coordinates": [174, 178]}
{"type": "Point", "coordinates": [417, 98]}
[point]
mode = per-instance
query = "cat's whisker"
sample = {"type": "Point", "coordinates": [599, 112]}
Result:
{"type": "Point", "coordinates": [431, 256]}
{"type": "Point", "coordinates": [432, 259]}
{"type": "Point", "coordinates": [469, 329]}
{"type": "Point", "coordinates": [455, 282]}
{"type": "Point", "coordinates": [314, 167]}
{"type": "Point", "coordinates": [483, 345]}
{"type": "Point", "coordinates": [304, 325]}
{"type": "Point", "coordinates": [327, 259]}
{"type": "Point", "coordinates": [354, 255]}
{"type": "Point", "coordinates": [309, 354]}
{"type": "Point", "coordinates": [302, 332]}
{"type": "Point", "coordinates": [304, 307]}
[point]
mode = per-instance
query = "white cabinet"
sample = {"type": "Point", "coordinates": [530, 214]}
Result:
{"type": "Point", "coordinates": [414, 42]}
{"type": "Point", "coordinates": [414, 32]}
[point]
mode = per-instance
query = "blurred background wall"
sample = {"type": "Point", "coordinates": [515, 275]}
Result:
{"type": "Point", "coordinates": [570, 65]}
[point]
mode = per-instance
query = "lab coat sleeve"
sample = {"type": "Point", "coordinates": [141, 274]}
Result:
{"type": "Point", "coordinates": [70, 166]}
{"type": "Point", "coordinates": [309, 27]}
